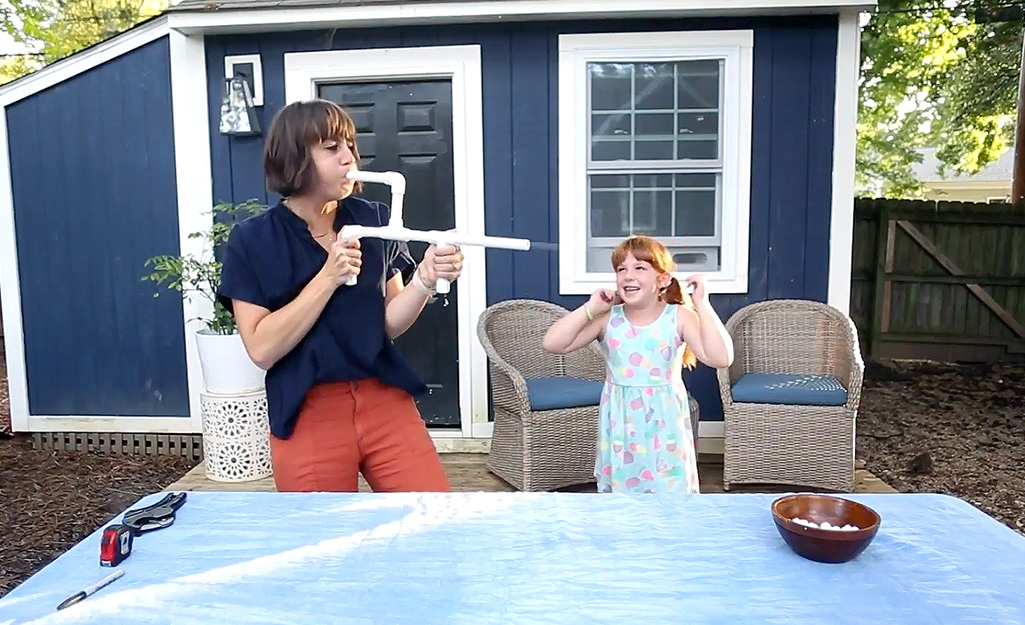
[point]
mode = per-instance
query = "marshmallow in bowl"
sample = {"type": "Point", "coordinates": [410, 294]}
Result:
{"type": "Point", "coordinates": [825, 525]}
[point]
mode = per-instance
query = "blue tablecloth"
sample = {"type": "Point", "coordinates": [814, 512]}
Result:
{"type": "Point", "coordinates": [514, 558]}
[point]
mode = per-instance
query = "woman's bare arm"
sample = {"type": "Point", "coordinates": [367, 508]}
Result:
{"type": "Point", "coordinates": [402, 306]}
{"type": "Point", "coordinates": [267, 335]}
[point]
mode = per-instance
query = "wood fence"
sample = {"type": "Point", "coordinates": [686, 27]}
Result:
{"type": "Point", "coordinates": [939, 280]}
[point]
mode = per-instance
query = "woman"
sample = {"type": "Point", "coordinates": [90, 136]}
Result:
{"type": "Point", "coordinates": [339, 395]}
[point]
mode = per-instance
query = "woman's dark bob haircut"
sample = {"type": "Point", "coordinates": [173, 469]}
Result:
{"type": "Point", "coordinates": [287, 164]}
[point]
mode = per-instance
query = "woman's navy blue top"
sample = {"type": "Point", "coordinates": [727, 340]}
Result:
{"type": "Point", "coordinates": [271, 257]}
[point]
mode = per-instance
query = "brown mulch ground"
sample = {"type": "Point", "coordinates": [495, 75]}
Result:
{"type": "Point", "coordinates": [50, 500]}
{"type": "Point", "coordinates": [946, 428]}
{"type": "Point", "coordinates": [53, 499]}
{"type": "Point", "coordinates": [923, 427]}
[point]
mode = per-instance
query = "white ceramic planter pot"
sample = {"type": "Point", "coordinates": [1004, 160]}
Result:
{"type": "Point", "coordinates": [226, 365]}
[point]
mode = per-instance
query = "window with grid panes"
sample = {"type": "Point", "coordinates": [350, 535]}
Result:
{"type": "Point", "coordinates": [659, 141]}
{"type": "Point", "coordinates": [654, 163]}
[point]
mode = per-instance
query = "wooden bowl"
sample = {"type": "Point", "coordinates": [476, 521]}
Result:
{"type": "Point", "coordinates": [824, 545]}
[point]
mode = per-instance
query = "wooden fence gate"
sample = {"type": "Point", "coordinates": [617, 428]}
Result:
{"type": "Point", "coordinates": [942, 281]}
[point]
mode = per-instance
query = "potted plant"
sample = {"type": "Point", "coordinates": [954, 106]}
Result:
{"type": "Point", "coordinates": [225, 364]}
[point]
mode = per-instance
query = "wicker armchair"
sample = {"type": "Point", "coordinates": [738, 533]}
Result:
{"type": "Point", "coordinates": [537, 450]}
{"type": "Point", "coordinates": [809, 443]}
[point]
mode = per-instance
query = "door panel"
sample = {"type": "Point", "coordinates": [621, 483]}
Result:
{"type": "Point", "coordinates": [407, 127]}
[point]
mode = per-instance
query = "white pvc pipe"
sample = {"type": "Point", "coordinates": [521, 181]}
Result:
{"type": "Point", "coordinates": [393, 179]}
{"type": "Point", "coordinates": [395, 231]}
{"type": "Point", "coordinates": [437, 237]}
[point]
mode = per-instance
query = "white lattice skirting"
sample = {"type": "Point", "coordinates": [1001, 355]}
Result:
{"type": "Point", "coordinates": [236, 436]}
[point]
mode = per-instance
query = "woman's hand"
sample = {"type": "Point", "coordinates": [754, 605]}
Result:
{"type": "Point", "coordinates": [445, 262]}
{"type": "Point", "coordinates": [343, 261]}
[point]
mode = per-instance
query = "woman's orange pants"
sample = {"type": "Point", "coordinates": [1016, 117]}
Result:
{"type": "Point", "coordinates": [347, 428]}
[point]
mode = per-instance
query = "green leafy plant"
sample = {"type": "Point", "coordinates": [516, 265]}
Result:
{"type": "Point", "coordinates": [190, 275]}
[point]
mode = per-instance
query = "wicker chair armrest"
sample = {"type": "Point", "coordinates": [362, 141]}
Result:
{"type": "Point", "coordinates": [854, 389]}
{"type": "Point", "coordinates": [587, 363]}
{"type": "Point", "coordinates": [725, 386]}
{"type": "Point", "coordinates": [850, 367]}
{"type": "Point", "coordinates": [734, 327]}
{"type": "Point", "coordinates": [727, 376]}
{"type": "Point", "coordinates": [508, 387]}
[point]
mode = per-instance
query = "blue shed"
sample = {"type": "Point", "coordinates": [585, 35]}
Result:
{"type": "Point", "coordinates": [726, 129]}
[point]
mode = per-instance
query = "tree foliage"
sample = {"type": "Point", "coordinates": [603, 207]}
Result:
{"type": "Point", "coordinates": [58, 28]}
{"type": "Point", "coordinates": [933, 74]}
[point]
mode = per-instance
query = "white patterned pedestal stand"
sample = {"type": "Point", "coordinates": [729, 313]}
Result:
{"type": "Point", "coordinates": [236, 435]}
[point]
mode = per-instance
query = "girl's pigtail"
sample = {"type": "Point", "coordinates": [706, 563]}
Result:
{"type": "Point", "coordinates": [673, 294]}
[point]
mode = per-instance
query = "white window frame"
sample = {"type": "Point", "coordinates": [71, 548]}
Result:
{"type": "Point", "coordinates": [735, 47]}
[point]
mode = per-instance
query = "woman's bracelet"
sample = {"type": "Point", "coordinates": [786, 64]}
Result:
{"type": "Point", "coordinates": [421, 285]}
{"type": "Point", "coordinates": [587, 311]}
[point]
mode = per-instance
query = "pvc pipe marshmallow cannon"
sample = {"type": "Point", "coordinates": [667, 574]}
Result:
{"type": "Point", "coordinates": [395, 231]}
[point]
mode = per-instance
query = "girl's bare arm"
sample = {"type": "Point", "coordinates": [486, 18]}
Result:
{"type": "Point", "coordinates": [581, 326]}
{"type": "Point", "coordinates": [705, 334]}
{"type": "Point", "coordinates": [574, 331]}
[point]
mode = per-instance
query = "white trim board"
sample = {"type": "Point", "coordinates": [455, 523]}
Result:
{"type": "Point", "coordinates": [845, 118]}
{"type": "Point", "coordinates": [225, 21]}
{"type": "Point", "coordinates": [82, 61]}
{"type": "Point", "coordinates": [128, 424]}
{"type": "Point", "coordinates": [10, 291]}
{"type": "Point", "coordinates": [194, 179]}
{"type": "Point", "coordinates": [462, 64]}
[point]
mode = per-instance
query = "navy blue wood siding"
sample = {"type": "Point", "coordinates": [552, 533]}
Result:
{"type": "Point", "coordinates": [93, 177]}
{"type": "Point", "coordinates": [792, 142]}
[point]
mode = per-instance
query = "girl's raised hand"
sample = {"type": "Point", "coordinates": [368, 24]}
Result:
{"type": "Point", "coordinates": [602, 301]}
{"type": "Point", "coordinates": [695, 285]}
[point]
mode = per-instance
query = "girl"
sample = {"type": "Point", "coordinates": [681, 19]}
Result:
{"type": "Point", "coordinates": [649, 330]}
{"type": "Point", "coordinates": [339, 395]}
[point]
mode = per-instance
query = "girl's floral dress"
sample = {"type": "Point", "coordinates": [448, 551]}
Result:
{"type": "Point", "coordinates": [645, 440]}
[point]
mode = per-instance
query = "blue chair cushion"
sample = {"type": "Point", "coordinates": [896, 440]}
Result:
{"type": "Point", "coordinates": [785, 388]}
{"type": "Point", "coordinates": [562, 392]}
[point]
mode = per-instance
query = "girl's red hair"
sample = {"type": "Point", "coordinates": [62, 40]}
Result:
{"type": "Point", "coordinates": [651, 251]}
